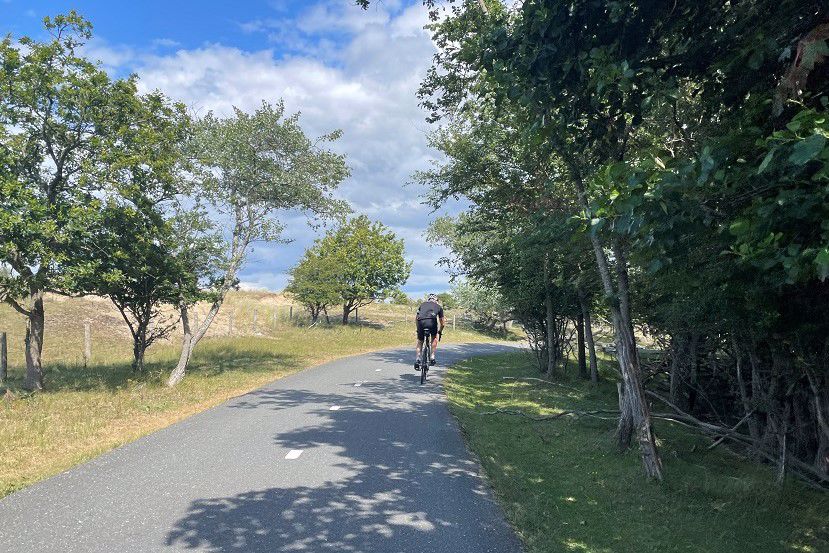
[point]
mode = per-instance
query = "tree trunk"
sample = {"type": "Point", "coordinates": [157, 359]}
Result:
{"type": "Point", "coordinates": [753, 428]}
{"type": "Point", "coordinates": [582, 354]}
{"type": "Point", "coordinates": [822, 454]}
{"type": "Point", "coordinates": [139, 347]}
{"type": "Point", "coordinates": [138, 350]}
{"type": "Point", "coordinates": [35, 327]}
{"type": "Point", "coordinates": [820, 402]}
{"type": "Point", "coordinates": [190, 338]}
{"type": "Point", "coordinates": [693, 378]}
{"type": "Point", "coordinates": [186, 350]}
{"type": "Point", "coordinates": [588, 337]}
{"type": "Point", "coordinates": [346, 313]}
{"type": "Point", "coordinates": [636, 412]}
{"type": "Point", "coordinates": [782, 440]}
{"type": "Point", "coordinates": [327, 319]}
{"type": "Point", "coordinates": [550, 322]}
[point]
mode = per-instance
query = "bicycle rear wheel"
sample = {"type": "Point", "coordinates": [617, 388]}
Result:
{"type": "Point", "coordinates": [425, 356]}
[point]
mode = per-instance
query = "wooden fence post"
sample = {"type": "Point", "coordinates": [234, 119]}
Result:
{"type": "Point", "coordinates": [87, 345]}
{"type": "Point", "coordinates": [453, 321]}
{"type": "Point", "coordinates": [357, 315]}
{"type": "Point", "coordinates": [230, 324]}
{"type": "Point", "coordinates": [275, 316]}
{"type": "Point", "coordinates": [255, 320]}
{"type": "Point", "coordinates": [291, 314]}
{"type": "Point", "coordinates": [4, 358]}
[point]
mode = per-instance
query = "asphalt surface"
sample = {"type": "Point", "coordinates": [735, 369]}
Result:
{"type": "Point", "coordinates": [278, 470]}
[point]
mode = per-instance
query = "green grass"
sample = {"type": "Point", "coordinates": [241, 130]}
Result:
{"type": "Point", "coordinates": [87, 411]}
{"type": "Point", "coordinates": [565, 488]}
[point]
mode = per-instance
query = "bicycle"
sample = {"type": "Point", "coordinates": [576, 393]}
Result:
{"type": "Point", "coordinates": [426, 354]}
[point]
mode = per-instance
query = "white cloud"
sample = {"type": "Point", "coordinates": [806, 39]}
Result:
{"type": "Point", "coordinates": [346, 68]}
{"type": "Point", "coordinates": [165, 43]}
{"type": "Point", "coordinates": [327, 17]}
{"type": "Point", "coordinates": [259, 281]}
{"type": "Point", "coordinates": [113, 57]}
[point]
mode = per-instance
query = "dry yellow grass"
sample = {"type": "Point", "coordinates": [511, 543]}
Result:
{"type": "Point", "coordinates": [87, 411]}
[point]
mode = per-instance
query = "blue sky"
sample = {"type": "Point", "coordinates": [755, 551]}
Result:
{"type": "Point", "coordinates": [340, 66]}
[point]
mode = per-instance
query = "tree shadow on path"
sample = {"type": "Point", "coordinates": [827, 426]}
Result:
{"type": "Point", "coordinates": [397, 478]}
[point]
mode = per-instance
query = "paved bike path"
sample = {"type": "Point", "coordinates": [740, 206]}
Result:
{"type": "Point", "coordinates": [354, 455]}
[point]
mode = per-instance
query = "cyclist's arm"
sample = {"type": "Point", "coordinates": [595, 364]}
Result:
{"type": "Point", "coordinates": [442, 323]}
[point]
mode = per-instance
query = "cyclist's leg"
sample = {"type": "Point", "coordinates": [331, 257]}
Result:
{"type": "Point", "coordinates": [419, 347]}
{"type": "Point", "coordinates": [434, 348]}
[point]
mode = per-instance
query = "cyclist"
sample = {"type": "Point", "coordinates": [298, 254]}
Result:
{"type": "Point", "coordinates": [428, 315]}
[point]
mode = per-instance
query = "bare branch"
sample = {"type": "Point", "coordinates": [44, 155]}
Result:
{"type": "Point", "coordinates": [594, 414]}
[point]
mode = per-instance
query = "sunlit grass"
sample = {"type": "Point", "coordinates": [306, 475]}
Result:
{"type": "Point", "coordinates": [565, 488]}
{"type": "Point", "coordinates": [86, 411]}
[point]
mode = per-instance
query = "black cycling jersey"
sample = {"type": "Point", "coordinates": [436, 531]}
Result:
{"type": "Point", "coordinates": [429, 310]}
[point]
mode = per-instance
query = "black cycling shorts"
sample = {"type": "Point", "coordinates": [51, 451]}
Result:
{"type": "Point", "coordinates": [427, 324]}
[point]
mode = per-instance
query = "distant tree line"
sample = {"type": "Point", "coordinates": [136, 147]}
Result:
{"type": "Point", "coordinates": [663, 166]}
{"type": "Point", "coordinates": [107, 191]}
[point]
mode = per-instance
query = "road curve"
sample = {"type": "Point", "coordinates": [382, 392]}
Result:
{"type": "Point", "coordinates": [278, 469]}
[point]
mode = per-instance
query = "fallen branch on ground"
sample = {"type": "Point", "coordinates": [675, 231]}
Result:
{"type": "Point", "coordinates": [593, 414]}
{"type": "Point", "coordinates": [805, 472]}
{"type": "Point", "coordinates": [719, 440]}
{"type": "Point", "coordinates": [543, 381]}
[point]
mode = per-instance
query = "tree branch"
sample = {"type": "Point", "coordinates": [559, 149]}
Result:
{"type": "Point", "coordinates": [542, 381]}
{"type": "Point", "coordinates": [17, 307]}
{"type": "Point", "coordinates": [593, 414]}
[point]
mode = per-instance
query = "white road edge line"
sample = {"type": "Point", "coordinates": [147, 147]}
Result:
{"type": "Point", "coordinates": [294, 454]}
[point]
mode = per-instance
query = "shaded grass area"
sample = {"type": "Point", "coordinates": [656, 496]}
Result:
{"type": "Point", "coordinates": [87, 411]}
{"type": "Point", "coordinates": [565, 488]}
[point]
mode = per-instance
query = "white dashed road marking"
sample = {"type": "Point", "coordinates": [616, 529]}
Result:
{"type": "Point", "coordinates": [377, 370]}
{"type": "Point", "coordinates": [334, 408]}
{"type": "Point", "coordinates": [358, 384]}
{"type": "Point", "coordinates": [294, 454]}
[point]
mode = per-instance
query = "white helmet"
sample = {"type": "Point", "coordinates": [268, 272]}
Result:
{"type": "Point", "coordinates": [433, 297]}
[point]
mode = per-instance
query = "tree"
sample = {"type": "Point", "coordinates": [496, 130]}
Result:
{"type": "Point", "coordinates": [399, 297]}
{"type": "Point", "coordinates": [577, 100]}
{"type": "Point", "coordinates": [58, 113]}
{"type": "Point", "coordinates": [314, 282]}
{"type": "Point", "coordinates": [249, 167]}
{"type": "Point", "coordinates": [139, 273]}
{"type": "Point", "coordinates": [132, 248]}
{"type": "Point", "coordinates": [369, 260]}
{"type": "Point", "coordinates": [447, 300]}
{"type": "Point", "coordinates": [485, 303]}
{"type": "Point", "coordinates": [675, 152]}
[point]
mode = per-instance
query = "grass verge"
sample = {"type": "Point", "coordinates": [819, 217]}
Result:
{"type": "Point", "coordinates": [564, 487]}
